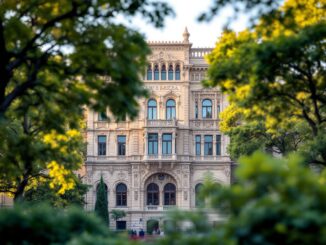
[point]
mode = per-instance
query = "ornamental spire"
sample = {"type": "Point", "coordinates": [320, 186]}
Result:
{"type": "Point", "coordinates": [186, 36]}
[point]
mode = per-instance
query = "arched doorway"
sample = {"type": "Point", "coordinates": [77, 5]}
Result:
{"type": "Point", "coordinates": [152, 225]}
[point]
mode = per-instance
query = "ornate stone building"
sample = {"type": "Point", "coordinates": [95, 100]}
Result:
{"type": "Point", "coordinates": [159, 161]}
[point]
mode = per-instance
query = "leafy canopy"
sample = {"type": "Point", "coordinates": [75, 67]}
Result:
{"type": "Point", "coordinates": [274, 76]}
{"type": "Point", "coordinates": [58, 57]}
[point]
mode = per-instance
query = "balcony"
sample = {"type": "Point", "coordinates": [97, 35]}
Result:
{"type": "Point", "coordinates": [205, 123]}
{"type": "Point", "coordinates": [159, 208]}
{"type": "Point", "coordinates": [199, 53]}
{"type": "Point", "coordinates": [101, 125]}
{"type": "Point", "coordinates": [161, 123]}
{"type": "Point", "coordinates": [160, 158]}
{"type": "Point", "coordinates": [211, 158]}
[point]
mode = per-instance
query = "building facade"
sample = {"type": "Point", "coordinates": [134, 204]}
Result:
{"type": "Point", "coordinates": [159, 161]}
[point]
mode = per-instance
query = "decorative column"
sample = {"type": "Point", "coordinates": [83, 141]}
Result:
{"type": "Point", "coordinates": [159, 150]}
{"type": "Point", "coordinates": [146, 145]}
{"type": "Point", "coordinates": [202, 146]}
{"type": "Point", "coordinates": [174, 154]}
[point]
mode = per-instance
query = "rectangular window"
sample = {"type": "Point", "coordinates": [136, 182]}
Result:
{"type": "Point", "coordinates": [101, 145]}
{"type": "Point", "coordinates": [152, 144]}
{"type": "Point", "coordinates": [167, 144]}
{"type": "Point", "coordinates": [208, 145]}
{"type": "Point", "coordinates": [218, 145]}
{"type": "Point", "coordinates": [121, 145]}
{"type": "Point", "coordinates": [102, 116]}
{"type": "Point", "coordinates": [198, 145]}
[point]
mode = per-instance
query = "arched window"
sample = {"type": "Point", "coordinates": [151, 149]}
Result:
{"type": "Point", "coordinates": [169, 194]}
{"type": "Point", "coordinates": [156, 73]}
{"type": "Point", "coordinates": [198, 201]}
{"type": "Point", "coordinates": [152, 194]}
{"type": "Point", "coordinates": [121, 195]}
{"type": "Point", "coordinates": [207, 108]}
{"type": "Point", "coordinates": [163, 72]}
{"type": "Point", "coordinates": [170, 75]}
{"type": "Point", "coordinates": [151, 109]}
{"type": "Point", "coordinates": [149, 72]}
{"type": "Point", "coordinates": [177, 72]}
{"type": "Point", "coordinates": [170, 109]}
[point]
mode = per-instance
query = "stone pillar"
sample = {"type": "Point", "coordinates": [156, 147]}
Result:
{"type": "Point", "coordinates": [202, 144]}
{"type": "Point", "coordinates": [146, 145]}
{"type": "Point", "coordinates": [159, 150]}
{"type": "Point", "coordinates": [173, 145]}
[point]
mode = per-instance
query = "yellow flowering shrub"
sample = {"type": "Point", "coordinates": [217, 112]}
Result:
{"type": "Point", "coordinates": [61, 177]}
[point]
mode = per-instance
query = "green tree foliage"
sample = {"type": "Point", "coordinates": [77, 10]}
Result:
{"type": "Point", "coordinates": [29, 156]}
{"type": "Point", "coordinates": [101, 204]}
{"type": "Point", "coordinates": [44, 225]}
{"type": "Point", "coordinates": [56, 58]}
{"type": "Point", "coordinates": [117, 214]}
{"type": "Point", "coordinates": [276, 77]}
{"type": "Point", "coordinates": [43, 193]}
{"type": "Point", "coordinates": [275, 201]}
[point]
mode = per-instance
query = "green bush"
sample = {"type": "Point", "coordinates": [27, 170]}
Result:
{"type": "Point", "coordinates": [275, 201]}
{"type": "Point", "coordinates": [45, 225]}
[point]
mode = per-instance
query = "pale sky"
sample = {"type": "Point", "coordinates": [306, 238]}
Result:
{"type": "Point", "coordinates": [202, 34]}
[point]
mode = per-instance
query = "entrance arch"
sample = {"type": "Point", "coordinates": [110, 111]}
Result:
{"type": "Point", "coordinates": [152, 225]}
{"type": "Point", "coordinates": [160, 189]}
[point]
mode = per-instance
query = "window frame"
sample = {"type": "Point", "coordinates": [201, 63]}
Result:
{"type": "Point", "coordinates": [153, 195]}
{"type": "Point", "coordinates": [151, 110]}
{"type": "Point", "coordinates": [208, 146]}
{"type": "Point", "coordinates": [170, 110]}
{"type": "Point", "coordinates": [206, 110]}
{"type": "Point", "coordinates": [169, 194]}
{"type": "Point", "coordinates": [122, 145]}
{"type": "Point", "coordinates": [152, 144]}
{"type": "Point", "coordinates": [167, 144]}
{"type": "Point", "coordinates": [121, 196]}
{"type": "Point", "coordinates": [177, 72]}
{"type": "Point", "coordinates": [170, 72]}
{"type": "Point", "coordinates": [101, 146]}
{"type": "Point", "coordinates": [218, 145]}
{"type": "Point", "coordinates": [156, 72]}
{"type": "Point", "coordinates": [163, 72]}
{"type": "Point", "coordinates": [198, 145]}
{"type": "Point", "coordinates": [149, 75]}
{"type": "Point", "coordinates": [102, 116]}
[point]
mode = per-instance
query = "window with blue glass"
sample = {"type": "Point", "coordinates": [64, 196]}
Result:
{"type": "Point", "coordinates": [177, 72]}
{"type": "Point", "coordinates": [121, 195]}
{"type": "Point", "coordinates": [152, 144]}
{"type": "Point", "coordinates": [102, 116]}
{"type": "Point", "coordinates": [218, 145]}
{"type": "Point", "coordinates": [101, 147]}
{"type": "Point", "coordinates": [156, 73]}
{"type": "Point", "coordinates": [170, 109]}
{"type": "Point", "coordinates": [163, 72]}
{"type": "Point", "coordinates": [208, 145]}
{"type": "Point", "coordinates": [121, 145]}
{"type": "Point", "coordinates": [149, 73]}
{"type": "Point", "coordinates": [167, 144]}
{"type": "Point", "coordinates": [196, 109]}
{"type": "Point", "coordinates": [170, 72]}
{"type": "Point", "coordinates": [207, 108]}
{"type": "Point", "coordinates": [198, 145]}
{"type": "Point", "coordinates": [151, 109]}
